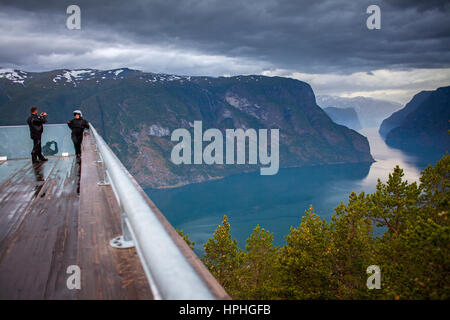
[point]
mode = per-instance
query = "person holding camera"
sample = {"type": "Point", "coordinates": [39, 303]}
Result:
{"type": "Point", "coordinates": [36, 124]}
{"type": "Point", "coordinates": [77, 125]}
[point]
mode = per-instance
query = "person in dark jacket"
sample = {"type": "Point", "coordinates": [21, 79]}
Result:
{"type": "Point", "coordinates": [36, 124]}
{"type": "Point", "coordinates": [77, 125]}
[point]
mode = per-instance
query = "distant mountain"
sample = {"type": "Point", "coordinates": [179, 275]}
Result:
{"type": "Point", "coordinates": [345, 116]}
{"type": "Point", "coordinates": [398, 117]}
{"type": "Point", "coordinates": [371, 112]}
{"type": "Point", "coordinates": [426, 126]}
{"type": "Point", "coordinates": [136, 112]}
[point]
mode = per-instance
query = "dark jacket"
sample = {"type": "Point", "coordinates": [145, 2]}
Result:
{"type": "Point", "coordinates": [77, 126]}
{"type": "Point", "coordinates": [35, 123]}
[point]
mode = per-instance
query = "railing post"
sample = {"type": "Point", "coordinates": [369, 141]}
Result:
{"type": "Point", "coordinates": [125, 240]}
{"type": "Point", "coordinates": [105, 181]}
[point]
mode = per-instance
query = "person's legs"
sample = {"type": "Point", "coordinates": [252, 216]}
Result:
{"type": "Point", "coordinates": [77, 144]}
{"type": "Point", "coordinates": [39, 154]}
{"type": "Point", "coordinates": [36, 150]}
{"type": "Point", "coordinates": [78, 148]}
{"type": "Point", "coordinates": [80, 141]}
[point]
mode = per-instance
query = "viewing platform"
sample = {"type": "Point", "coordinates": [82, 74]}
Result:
{"type": "Point", "coordinates": [65, 212]}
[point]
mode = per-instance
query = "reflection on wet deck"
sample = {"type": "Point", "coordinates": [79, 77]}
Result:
{"type": "Point", "coordinates": [48, 223]}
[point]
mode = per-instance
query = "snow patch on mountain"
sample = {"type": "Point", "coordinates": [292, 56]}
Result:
{"type": "Point", "coordinates": [74, 77]}
{"type": "Point", "coordinates": [117, 72]}
{"type": "Point", "coordinates": [162, 77]}
{"type": "Point", "coordinates": [13, 75]}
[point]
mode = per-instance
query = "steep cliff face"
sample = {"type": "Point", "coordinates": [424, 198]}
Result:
{"type": "Point", "coordinates": [399, 116]}
{"type": "Point", "coordinates": [345, 116]}
{"type": "Point", "coordinates": [136, 113]}
{"type": "Point", "coordinates": [425, 128]}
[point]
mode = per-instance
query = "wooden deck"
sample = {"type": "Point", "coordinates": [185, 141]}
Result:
{"type": "Point", "coordinates": [51, 217]}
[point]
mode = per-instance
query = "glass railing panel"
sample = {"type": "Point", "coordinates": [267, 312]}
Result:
{"type": "Point", "coordinates": [15, 141]}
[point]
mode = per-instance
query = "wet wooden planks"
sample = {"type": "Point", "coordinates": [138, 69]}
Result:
{"type": "Point", "coordinates": [38, 230]}
{"type": "Point", "coordinates": [108, 273]}
{"type": "Point", "coordinates": [46, 226]}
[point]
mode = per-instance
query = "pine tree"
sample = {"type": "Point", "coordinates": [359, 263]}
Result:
{"type": "Point", "coordinates": [392, 202]}
{"type": "Point", "coordinates": [352, 248]}
{"type": "Point", "coordinates": [305, 260]}
{"type": "Point", "coordinates": [185, 237]}
{"type": "Point", "coordinates": [421, 264]}
{"type": "Point", "coordinates": [414, 253]}
{"type": "Point", "coordinates": [259, 272]}
{"type": "Point", "coordinates": [223, 257]}
{"type": "Point", "coordinates": [435, 183]}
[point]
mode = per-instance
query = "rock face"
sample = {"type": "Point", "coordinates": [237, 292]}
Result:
{"type": "Point", "coordinates": [425, 128]}
{"type": "Point", "coordinates": [370, 111]}
{"type": "Point", "coordinates": [136, 113]}
{"type": "Point", "coordinates": [345, 116]}
{"type": "Point", "coordinates": [399, 116]}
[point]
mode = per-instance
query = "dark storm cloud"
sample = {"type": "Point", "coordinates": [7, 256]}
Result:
{"type": "Point", "coordinates": [307, 36]}
{"type": "Point", "coordinates": [420, 5]}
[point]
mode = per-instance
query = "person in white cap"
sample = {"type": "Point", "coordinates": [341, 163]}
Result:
{"type": "Point", "coordinates": [77, 125]}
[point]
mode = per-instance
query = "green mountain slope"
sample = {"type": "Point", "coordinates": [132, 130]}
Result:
{"type": "Point", "coordinates": [425, 128]}
{"type": "Point", "coordinates": [399, 116]}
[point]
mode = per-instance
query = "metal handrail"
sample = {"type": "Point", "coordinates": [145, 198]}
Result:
{"type": "Point", "coordinates": [170, 274]}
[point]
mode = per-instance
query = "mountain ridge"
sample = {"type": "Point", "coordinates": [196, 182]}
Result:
{"type": "Point", "coordinates": [136, 111]}
{"type": "Point", "coordinates": [371, 112]}
{"type": "Point", "coordinates": [396, 119]}
{"type": "Point", "coordinates": [426, 127]}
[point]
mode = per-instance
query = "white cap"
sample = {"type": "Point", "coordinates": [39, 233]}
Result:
{"type": "Point", "coordinates": [78, 111]}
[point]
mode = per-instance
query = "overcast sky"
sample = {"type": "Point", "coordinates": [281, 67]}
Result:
{"type": "Point", "coordinates": [325, 43]}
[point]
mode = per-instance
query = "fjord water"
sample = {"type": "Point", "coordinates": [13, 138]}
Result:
{"type": "Point", "coordinates": [278, 202]}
